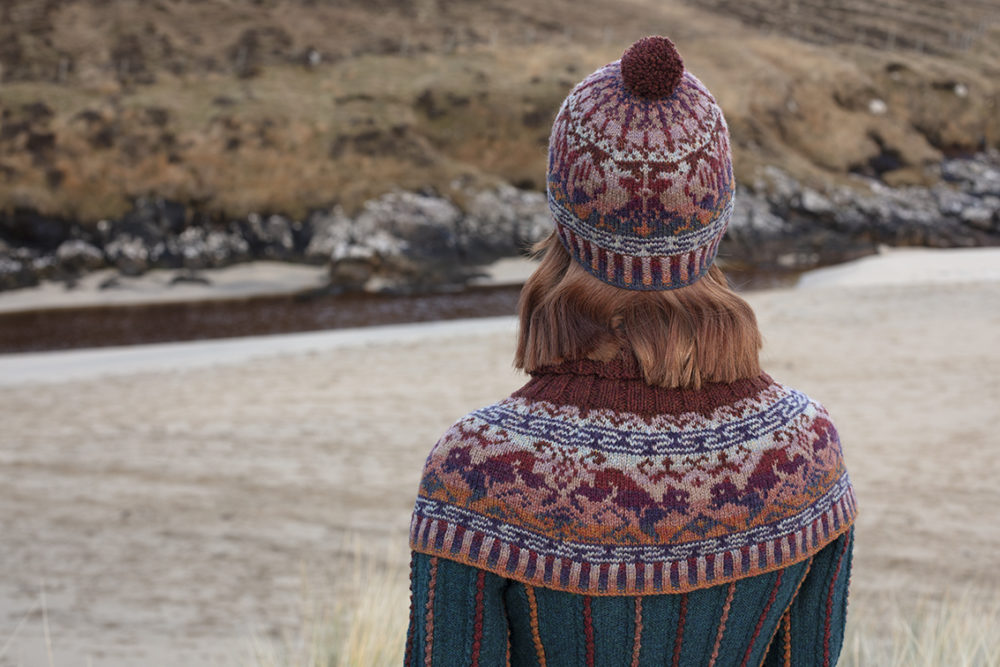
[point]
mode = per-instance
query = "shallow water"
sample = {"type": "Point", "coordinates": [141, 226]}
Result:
{"type": "Point", "coordinates": [64, 328]}
{"type": "Point", "coordinates": [102, 326]}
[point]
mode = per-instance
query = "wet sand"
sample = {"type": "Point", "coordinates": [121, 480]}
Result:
{"type": "Point", "coordinates": [168, 501]}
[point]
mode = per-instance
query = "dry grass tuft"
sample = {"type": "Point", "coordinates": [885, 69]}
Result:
{"type": "Point", "coordinates": [958, 630]}
{"type": "Point", "coordinates": [363, 624]}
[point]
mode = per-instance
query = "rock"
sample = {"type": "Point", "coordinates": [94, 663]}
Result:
{"type": "Point", "coordinates": [191, 247]}
{"type": "Point", "coordinates": [813, 202]}
{"type": "Point", "coordinates": [426, 225]}
{"type": "Point", "coordinates": [503, 222]}
{"type": "Point", "coordinates": [153, 219]}
{"type": "Point", "coordinates": [330, 230]}
{"type": "Point", "coordinates": [352, 273]}
{"type": "Point", "coordinates": [400, 242]}
{"type": "Point", "coordinates": [405, 241]}
{"type": "Point", "coordinates": [752, 217]}
{"type": "Point", "coordinates": [76, 256]}
{"type": "Point", "coordinates": [781, 187]}
{"type": "Point", "coordinates": [419, 228]}
{"type": "Point", "coordinates": [993, 204]}
{"type": "Point", "coordinates": [15, 273]}
{"type": "Point", "coordinates": [201, 248]}
{"type": "Point", "coordinates": [142, 239]}
{"type": "Point", "coordinates": [190, 278]}
{"type": "Point", "coordinates": [129, 254]}
{"type": "Point", "coordinates": [977, 176]}
{"type": "Point", "coordinates": [980, 217]}
{"type": "Point", "coordinates": [45, 267]}
{"type": "Point", "coordinates": [269, 238]}
{"type": "Point", "coordinates": [951, 202]}
{"type": "Point", "coordinates": [756, 236]}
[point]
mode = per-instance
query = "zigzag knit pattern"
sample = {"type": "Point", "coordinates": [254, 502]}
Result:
{"type": "Point", "coordinates": [588, 480]}
{"type": "Point", "coordinates": [641, 190]}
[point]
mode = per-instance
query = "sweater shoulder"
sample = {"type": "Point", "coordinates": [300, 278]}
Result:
{"type": "Point", "coordinates": [576, 498]}
{"type": "Point", "coordinates": [521, 424]}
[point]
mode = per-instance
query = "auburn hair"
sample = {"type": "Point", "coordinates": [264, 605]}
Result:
{"type": "Point", "coordinates": [681, 338]}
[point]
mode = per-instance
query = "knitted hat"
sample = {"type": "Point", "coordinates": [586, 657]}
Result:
{"type": "Point", "coordinates": [640, 175]}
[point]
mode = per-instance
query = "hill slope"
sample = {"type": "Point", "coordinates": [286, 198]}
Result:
{"type": "Point", "coordinates": [287, 105]}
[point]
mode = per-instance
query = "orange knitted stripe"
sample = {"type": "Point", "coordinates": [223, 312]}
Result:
{"type": "Point", "coordinates": [535, 634]}
{"type": "Point", "coordinates": [429, 626]}
{"type": "Point", "coordinates": [798, 586]}
{"type": "Point", "coordinates": [637, 643]}
{"type": "Point", "coordinates": [722, 624]}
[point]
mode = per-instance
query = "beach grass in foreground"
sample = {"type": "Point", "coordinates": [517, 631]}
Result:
{"type": "Point", "coordinates": [366, 627]}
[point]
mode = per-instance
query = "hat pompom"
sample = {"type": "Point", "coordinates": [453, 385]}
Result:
{"type": "Point", "coordinates": [652, 68]}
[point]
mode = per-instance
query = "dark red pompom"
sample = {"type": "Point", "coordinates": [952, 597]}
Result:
{"type": "Point", "coordinates": [652, 68]}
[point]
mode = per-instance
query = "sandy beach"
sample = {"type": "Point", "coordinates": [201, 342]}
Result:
{"type": "Point", "coordinates": [169, 501]}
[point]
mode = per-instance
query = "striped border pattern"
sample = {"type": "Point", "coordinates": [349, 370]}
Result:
{"type": "Point", "coordinates": [640, 273]}
{"type": "Point", "coordinates": [602, 570]}
{"type": "Point", "coordinates": [512, 416]}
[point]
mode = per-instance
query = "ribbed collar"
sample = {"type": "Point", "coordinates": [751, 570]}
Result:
{"type": "Point", "coordinates": [619, 385]}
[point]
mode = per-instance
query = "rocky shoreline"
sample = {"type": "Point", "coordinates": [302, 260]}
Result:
{"type": "Point", "coordinates": [406, 242]}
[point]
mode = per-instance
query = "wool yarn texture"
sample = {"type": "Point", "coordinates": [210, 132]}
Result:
{"type": "Point", "coordinates": [589, 480]}
{"type": "Point", "coordinates": [640, 177]}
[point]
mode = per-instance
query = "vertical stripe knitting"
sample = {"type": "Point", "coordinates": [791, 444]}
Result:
{"type": "Point", "coordinates": [477, 636]}
{"type": "Point", "coordinates": [533, 615]}
{"type": "Point", "coordinates": [771, 619]}
{"type": "Point", "coordinates": [588, 631]}
{"type": "Point", "coordinates": [679, 641]}
{"type": "Point", "coordinates": [410, 638]}
{"type": "Point", "coordinates": [786, 626]}
{"type": "Point", "coordinates": [637, 640]}
{"type": "Point", "coordinates": [761, 620]}
{"type": "Point", "coordinates": [828, 621]}
{"type": "Point", "coordinates": [722, 624]}
{"type": "Point", "coordinates": [429, 623]}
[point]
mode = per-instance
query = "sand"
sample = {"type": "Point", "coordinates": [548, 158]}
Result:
{"type": "Point", "coordinates": [170, 500]}
{"type": "Point", "coordinates": [107, 287]}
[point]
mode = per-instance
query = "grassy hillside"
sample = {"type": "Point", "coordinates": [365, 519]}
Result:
{"type": "Point", "coordinates": [287, 105]}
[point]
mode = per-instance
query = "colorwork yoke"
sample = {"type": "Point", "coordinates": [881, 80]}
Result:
{"type": "Point", "coordinates": [590, 481]}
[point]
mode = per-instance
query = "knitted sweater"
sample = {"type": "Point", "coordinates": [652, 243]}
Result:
{"type": "Point", "coordinates": [590, 489]}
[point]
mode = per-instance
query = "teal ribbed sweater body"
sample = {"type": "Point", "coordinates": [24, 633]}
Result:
{"type": "Point", "coordinates": [792, 617]}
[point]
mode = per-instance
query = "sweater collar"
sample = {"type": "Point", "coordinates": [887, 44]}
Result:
{"type": "Point", "coordinates": [619, 385]}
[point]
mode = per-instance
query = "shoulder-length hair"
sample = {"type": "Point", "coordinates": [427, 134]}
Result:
{"type": "Point", "coordinates": [681, 338]}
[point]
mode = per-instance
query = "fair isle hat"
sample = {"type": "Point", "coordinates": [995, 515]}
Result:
{"type": "Point", "coordinates": [640, 174]}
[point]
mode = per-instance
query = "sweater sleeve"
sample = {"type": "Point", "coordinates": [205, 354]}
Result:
{"type": "Point", "coordinates": [457, 615]}
{"type": "Point", "coordinates": [811, 631]}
